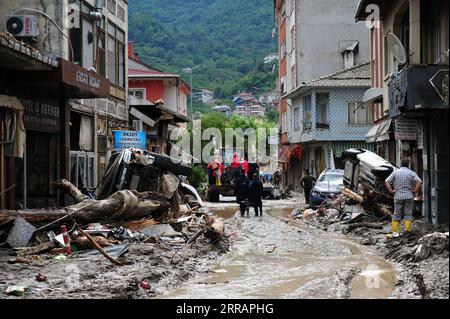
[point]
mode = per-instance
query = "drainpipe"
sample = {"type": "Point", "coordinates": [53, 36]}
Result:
{"type": "Point", "coordinates": [428, 173]}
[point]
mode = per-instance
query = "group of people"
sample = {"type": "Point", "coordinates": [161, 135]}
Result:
{"type": "Point", "coordinates": [249, 192]}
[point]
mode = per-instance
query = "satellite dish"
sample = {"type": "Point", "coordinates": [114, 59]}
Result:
{"type": "Point", "coordinates": [395, 46]}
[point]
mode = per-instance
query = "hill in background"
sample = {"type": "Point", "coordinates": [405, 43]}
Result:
{"type": "Point", "coordinates": [224, 40]}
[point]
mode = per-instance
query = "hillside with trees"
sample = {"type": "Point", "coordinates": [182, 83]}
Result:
{"type": "Point", "coordinates": [224, 41]}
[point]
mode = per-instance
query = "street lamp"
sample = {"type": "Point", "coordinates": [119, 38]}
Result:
{"type": "Point", "coordinates": [189, 70]}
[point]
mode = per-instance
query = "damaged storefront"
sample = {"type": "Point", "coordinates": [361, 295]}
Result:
{"type": "Point", "coordinates": [35, 91]}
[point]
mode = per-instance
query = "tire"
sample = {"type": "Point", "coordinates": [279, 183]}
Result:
{"type": "Point", "coordinates": [213, 196]}
{"type": "Point", "coordinates": [352, 153]}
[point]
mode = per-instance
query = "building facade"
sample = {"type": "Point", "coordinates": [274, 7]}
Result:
{"type": "Point", "coordinates": [410, 91]}
{"type": "Point", "coordinates": [316, 39]}
{"type": "Point", "coordinates": [61, 98]}
{"type": "Point", "coordinates": [158, 103]}
{"type": "Point", "coordinates": [328, 119]}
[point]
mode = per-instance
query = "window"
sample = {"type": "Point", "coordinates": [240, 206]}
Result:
{"type": "Point", "coordinates": [436, 41]}
{"type": "Point", "coordinates": [283, 122]}
{"type": "Point", "coordinates": [112, 6]}
{"type": "Point", "coordinates": [296, 119]}
{"type": "Point", "coordinates": [359, 115]}
{"type": "Point", "coordinates": [307, 112]}
{"type": "Point", "coordinates": [322, 100]}
{"type": "Point", "coordinates": [283, 50]}
{"type": "Point", "coordinates": [283, 85]}
{"type": "Point", "coordinates": [139, 93]}
{"type": "Point", "coordinates": [121, 13]}
{"type": "Point", "coordinates": [116, 55]}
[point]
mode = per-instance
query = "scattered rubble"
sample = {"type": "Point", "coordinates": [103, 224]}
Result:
{"type": "Point", "coordinates": [148, 209]}
{"type": "Point", "coordinates": [421, 257]}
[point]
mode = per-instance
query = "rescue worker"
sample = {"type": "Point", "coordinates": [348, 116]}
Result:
{"type": "Point", "coordinates": [307, 183]}
{"type": "Point", "coordinates": [217, 169]}
{"type": "Point", "coordinates": [240, 189]}
{"type": "Point", "coordinates": [255, 192]}
{"type": "Point", "coordinates": [403, 184]}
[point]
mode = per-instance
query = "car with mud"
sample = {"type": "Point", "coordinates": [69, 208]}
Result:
{"type": "Point", "coordinates": [327, 187]}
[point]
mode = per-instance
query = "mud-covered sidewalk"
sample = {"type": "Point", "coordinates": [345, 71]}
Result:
{"type": "Point", "coordinates": [421, 260]}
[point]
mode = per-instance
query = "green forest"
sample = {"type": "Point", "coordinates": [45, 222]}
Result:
{"type": "Point", "coordinates": [224, 41]}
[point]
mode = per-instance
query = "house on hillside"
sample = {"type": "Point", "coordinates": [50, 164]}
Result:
{"type": "Point", "coordinates": [203, 95]}
{"type": "Point", "coordinates": [225, 109]}
{"type": "Point", "coordinates": [158, 102]}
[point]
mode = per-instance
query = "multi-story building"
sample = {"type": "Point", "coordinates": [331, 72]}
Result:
{"type": "Point", "coordinates": [158, 102]}
{"type": "Point", "coordinates": [70, 80]}
{"type": "Point", "coordinates": [409, 94]}
{"type": "Point", "coordinates": [203, 95]}
{"type": "Point", "coordinates": [225, 109]}
{"type": "Point", "coordinates": [316, 39]}
{"type": "Point", "coordinates": [252, 110]}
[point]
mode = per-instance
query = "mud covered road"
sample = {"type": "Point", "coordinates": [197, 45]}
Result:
{"type": "Point", "coordinates": [276, 258]}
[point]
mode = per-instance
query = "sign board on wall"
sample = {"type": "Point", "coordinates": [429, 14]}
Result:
{"type": "Point", "coordinates": [129, 139]}
{"type": "Point", "coordinates": [41, 115]}
{"type": "Point", "coordinates": [406, 130]}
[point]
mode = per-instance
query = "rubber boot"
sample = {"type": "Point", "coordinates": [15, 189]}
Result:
{"type": "Point", "coordinates": [408, 225]}
{"type": "Point", "coordinates": [395, 226]}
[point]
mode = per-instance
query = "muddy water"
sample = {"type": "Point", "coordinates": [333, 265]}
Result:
{"type": "Point", "coordinates": [273, 259]}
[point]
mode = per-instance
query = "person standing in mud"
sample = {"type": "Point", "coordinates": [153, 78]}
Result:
{"type": "Point", "coordinates": [403, 184]}
{"type": "Point", "coordinates": [307, 183]}
{"type": "Point", "coordinates": [240, 188]}
{"type": "Point", "coordinates": [255, 192]}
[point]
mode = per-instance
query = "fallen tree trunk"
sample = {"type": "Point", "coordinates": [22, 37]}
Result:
{"type": "Point", "coordinates": [70, 189]}
{"type": "Point", "coordinates": [121, 206]}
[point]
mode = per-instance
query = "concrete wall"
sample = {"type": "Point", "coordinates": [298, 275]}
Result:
{"type": "Point", "coordinates": [50, 41]}
{"type": "Point", "coordinates": [324, 29]}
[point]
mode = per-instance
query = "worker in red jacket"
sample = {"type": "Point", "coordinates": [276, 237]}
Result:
{"type": "Point", "coordinates": [217, 169]}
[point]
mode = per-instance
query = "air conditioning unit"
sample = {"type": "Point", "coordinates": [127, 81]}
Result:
{"type": "Point", "coordinates": [22, 26]}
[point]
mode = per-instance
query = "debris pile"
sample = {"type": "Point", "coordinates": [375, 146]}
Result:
{"type": "Point", "coordinates": [116, 218]}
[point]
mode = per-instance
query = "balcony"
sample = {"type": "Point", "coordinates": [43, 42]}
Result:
{"type": "Point", "coordinates": [417, 90]}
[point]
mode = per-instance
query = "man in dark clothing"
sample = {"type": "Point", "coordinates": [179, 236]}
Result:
{"type": "Point", "coordinates": [255, 194]}
{"type": "Point", "coordinates": [307, 183]}
{"type": "Point", "coordinates": [240, 189]}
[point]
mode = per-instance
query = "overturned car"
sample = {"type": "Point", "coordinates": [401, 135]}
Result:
{"type": "Point", "coordinates": [144, 171]}
{"type": "Point", "coordinates": [365, 169]}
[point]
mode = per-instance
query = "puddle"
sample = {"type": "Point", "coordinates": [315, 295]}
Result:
{"type": "Point", "coordinates": [273, 259]}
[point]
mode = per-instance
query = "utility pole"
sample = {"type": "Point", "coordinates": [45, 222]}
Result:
{"type": "Point", "coordinates": [189, 70]}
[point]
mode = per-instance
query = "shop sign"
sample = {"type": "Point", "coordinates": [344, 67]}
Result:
{"type": "Point", "coordinates": [41, 115]}
{"type": "Point", "coordinates": [406, 130]}
{"type": "Point", "coordinates": [129, 139]}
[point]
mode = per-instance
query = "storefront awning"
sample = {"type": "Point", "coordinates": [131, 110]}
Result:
{"type": "Point", "coordinates": [283, 153]}
{"type": "Point", "coordinates": [380, 132]}
{"type": "Point", "coordinates": [68, 80]}
{"type": "Point", "coordinates": [140, 115]}
{"type": "Point", "coordinates": [372, 95]}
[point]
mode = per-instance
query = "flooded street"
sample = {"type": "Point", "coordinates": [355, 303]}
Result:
{"type": "Point", "coordinates": [274, 258]}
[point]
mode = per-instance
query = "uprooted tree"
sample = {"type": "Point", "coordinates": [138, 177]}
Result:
{"type": "Point", "coordinates": [121, 206]}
